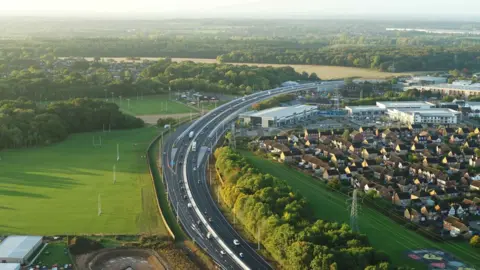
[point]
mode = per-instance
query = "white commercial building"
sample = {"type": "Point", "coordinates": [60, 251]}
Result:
{"type": "Point", "coordinates": [17, 249]}
{"type": "Point", "coordinates": [451, 89]}
{"type": "Point", "coordinates": [425, 116]}
{"type": "Point", "coordinates": [278, 116]}
{"type": "Point", "coordinates": [10, 266]}
{"type": "Point", "coordinates": [421, 80]}
{"type": "Point", "coordinates": [405, 104]}
{"type": "Point", "coordinates": [364, 112]}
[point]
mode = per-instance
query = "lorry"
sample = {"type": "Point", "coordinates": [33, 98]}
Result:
{"type": "Point", "coordinates": [194, 146]}
{"type": "Point", "coordinates": [190, 135]}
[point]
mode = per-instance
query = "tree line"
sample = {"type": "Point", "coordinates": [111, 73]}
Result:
{"type": "Point", "coordinates": [268, 205]}
{"type": "Point", "coordinates": [383, 58]}
{"type": "Point", "coordinates": [94, 80]}
{"type": "Point", "coordinates": [273, 102]}
{"type": "Point", "coordinates": [24, 123]}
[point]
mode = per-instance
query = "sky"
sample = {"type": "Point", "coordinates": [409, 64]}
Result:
{"type": "Point", "coordinates": [243, 8]}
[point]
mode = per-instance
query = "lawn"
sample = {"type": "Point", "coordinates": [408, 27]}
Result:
{"type": "Point", "coordinates": [383, 233]}
{"type": "Point", "coordinates": [54, 253]}
{"type": "Point", "coordinates": [55, 189]}
{"type": "Point", "coordinates": [324, 72]}
{"type": "Point", "coordinates": [157, 104]}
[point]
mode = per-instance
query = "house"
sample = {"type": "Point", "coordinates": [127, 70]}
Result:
{"type": "Point", "coordinates": [370, 186]}
{"type": "Point", "coordinates": [422, 137]}
{"type": "Point", "coordinates": [293, 138]}
{"type": "Point", "coordinates": [454, 225]}
{"type": "Point", "coordinates": [356, 136]}
{"type": "Point", "coordinates": [417, 147]}
{"type": "Point", "coordinates": [401, 199]}
{"type": "Point", "coordinates": [415, 128]}
{"type": "Point", "coordinates": [429, 212]}
{"type": "Point", "coordinates": [449, 160]}
{"type": "Point", "coordinates": [367, 131]}
{"type": "Point", "coordinates": [353, 170]}
{"type": "Point", "coordinates": [405, 185]}
{"type": "Point", "coordinates": [356, 147]}
{"type": "Point", "coordinates": [368, 154]}
{"type": "Point", "coordinates": [430, 161]}
{"type": "Point", "coordinates": [475, 185]}
{"type": "Point", "coordinates": [469, 206]}
{"type": "Point", "coordinates": [421, 194]}
{"type": "Point", "coordinates": [474, 162]}
{"type": "Point", "coordinates": [451, 192]}
{"type": "Point", "coordinates": [311, 134]}
{"type": "Point", "coordinates": [331, 173]}
{"type": "Point", "coordinates": [394, 175]}
{"type": "Point", "coordinates": [439, 193]}
{"type": "Point", "coordinates": [278, 148]}
{"type": "Point", "coordinates": [401, 149]}
{"type": "Point", "coordinates": [318, 165]}
{"type": "Point", "coordinates": [457, 139]}
{"type": "Point", "coordinates": [379, 172]}
{"type": "Point", "coordinates": [281, 139]}
{"type": "Point", "coordinates": [412, 215]}
{"type": "Point", "coordinates": [337, 159]}
{"type": "Point", "coordinates": [265, 138]}
{"type": "Point", "coordinates": [434, 139]}
{"type": "Point", "coordinates": [443, 149]}
{"type": "Point", "coordinates": [286, 156]}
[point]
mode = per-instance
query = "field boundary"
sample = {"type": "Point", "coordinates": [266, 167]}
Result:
{"type": "Point", "coordinates": [149, 155]}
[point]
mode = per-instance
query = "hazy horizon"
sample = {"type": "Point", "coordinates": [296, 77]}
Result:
{"type": "Point", "coordinates": [308, 9]}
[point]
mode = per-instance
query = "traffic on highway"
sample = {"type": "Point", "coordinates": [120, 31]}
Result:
{"type": "Point", "coordinates": [185, 161]}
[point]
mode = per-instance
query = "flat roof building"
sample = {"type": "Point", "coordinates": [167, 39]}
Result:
{"type": "Point", "coordinates": [451, 89]}
{"type": "Point", "coordinates": [17, 249]}
{"type": "Point", "coordinates": [361, 112]}
{"type": "Point", "coordinates": [425, 116]}
{"type": "Point", "coordinates": [9, 266]}
{"type": "Point", "coordinates": [405, 104]}
{"type": "Point", "coordinates": [278, 116]}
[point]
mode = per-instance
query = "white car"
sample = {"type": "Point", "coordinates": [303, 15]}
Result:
{"type": "Point", "coordinates": [236, 242]}
{"type": "Point", "coordinates": [189, 205]}
{"type": "Point", "coordinates": [241, 255]}
{"type": "Point", "coordinates": [194, 168]}
{"type": "Point", "coordinates": [222, 252]}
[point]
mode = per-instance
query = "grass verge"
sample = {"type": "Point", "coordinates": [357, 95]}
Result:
{"type": "Point", "coordinates": [156, 104]}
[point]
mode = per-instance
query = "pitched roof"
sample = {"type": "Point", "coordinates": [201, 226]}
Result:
{"type": "Point", "coordinates": [403, 195]}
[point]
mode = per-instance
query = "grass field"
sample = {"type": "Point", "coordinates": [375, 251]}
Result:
{"type": "Point", "coordinates": [324, 72]}
{"type": "Point", "coordinates": [54, 253]}
{"type": "Point", "coordinates": [158, 104]}
{"type": "Point", "coordinates": [383, 233]}
{"type": "Point", "coordinates": [54, 190]}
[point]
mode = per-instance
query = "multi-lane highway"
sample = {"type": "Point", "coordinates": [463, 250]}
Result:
{"type": "Point", "coordinates": [188, 190]}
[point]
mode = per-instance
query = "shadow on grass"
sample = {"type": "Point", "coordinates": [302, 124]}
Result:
{"type": "Point", "coordinates": [14, 193]}
{"type": "Point", "coordinates": [6, 208]}
{"type": "Point", "coordinates": [37, 180]}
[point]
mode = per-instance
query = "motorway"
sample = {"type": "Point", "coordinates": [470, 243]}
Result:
{"type": "Point", "coordinates": [188, 189]}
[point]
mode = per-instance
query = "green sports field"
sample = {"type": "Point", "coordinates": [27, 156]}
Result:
{"type": "Point", "coordinates": [383, 233]}
{"type": "Point", "coordinates": [158, 104]}
{"type": "Point", "coordinates": [54, 190]}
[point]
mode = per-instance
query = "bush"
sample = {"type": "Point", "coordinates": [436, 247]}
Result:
{"type": "Point", "coordinates": [475, 241]}
{"type": "Point", "coordinates": [81, 245]}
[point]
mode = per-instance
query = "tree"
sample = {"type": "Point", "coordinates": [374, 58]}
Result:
{"type": "Point", "coordinates": [346, 134]}
{"type": "Point", "coordinates": [334, 183]}
{"type": "Point", "coordinates": [475, 241]}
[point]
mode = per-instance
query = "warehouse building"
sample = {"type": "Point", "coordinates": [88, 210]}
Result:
{"type": "Point", "coordinates": [278, 116]}
{"type": "Point", "coordinates": [425, 116]}
{"type": "Point", "coordinates": [17, 249]}
{"type": "Point", "coordinates": [364, 112]}
{"type": "Point", "coordinates": [452, 89]}
{"type": "Point", "coordinates": [405, 104]}
{"type": "Point", "coordinates": [10, 266]}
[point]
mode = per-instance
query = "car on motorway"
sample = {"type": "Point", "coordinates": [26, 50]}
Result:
{"type": "Point", "coordinates": [240, 254]}
{"type": "Point", "coordinates": [189, 205]}
{"type": "Point", "coordinates": [210, 220]}
{"type": "Point", "coordinates": [194, 168]}
{"type": "Point", "coordinates": [222, 252]}
{"type": "Point", "coordinates": [236, 242]}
